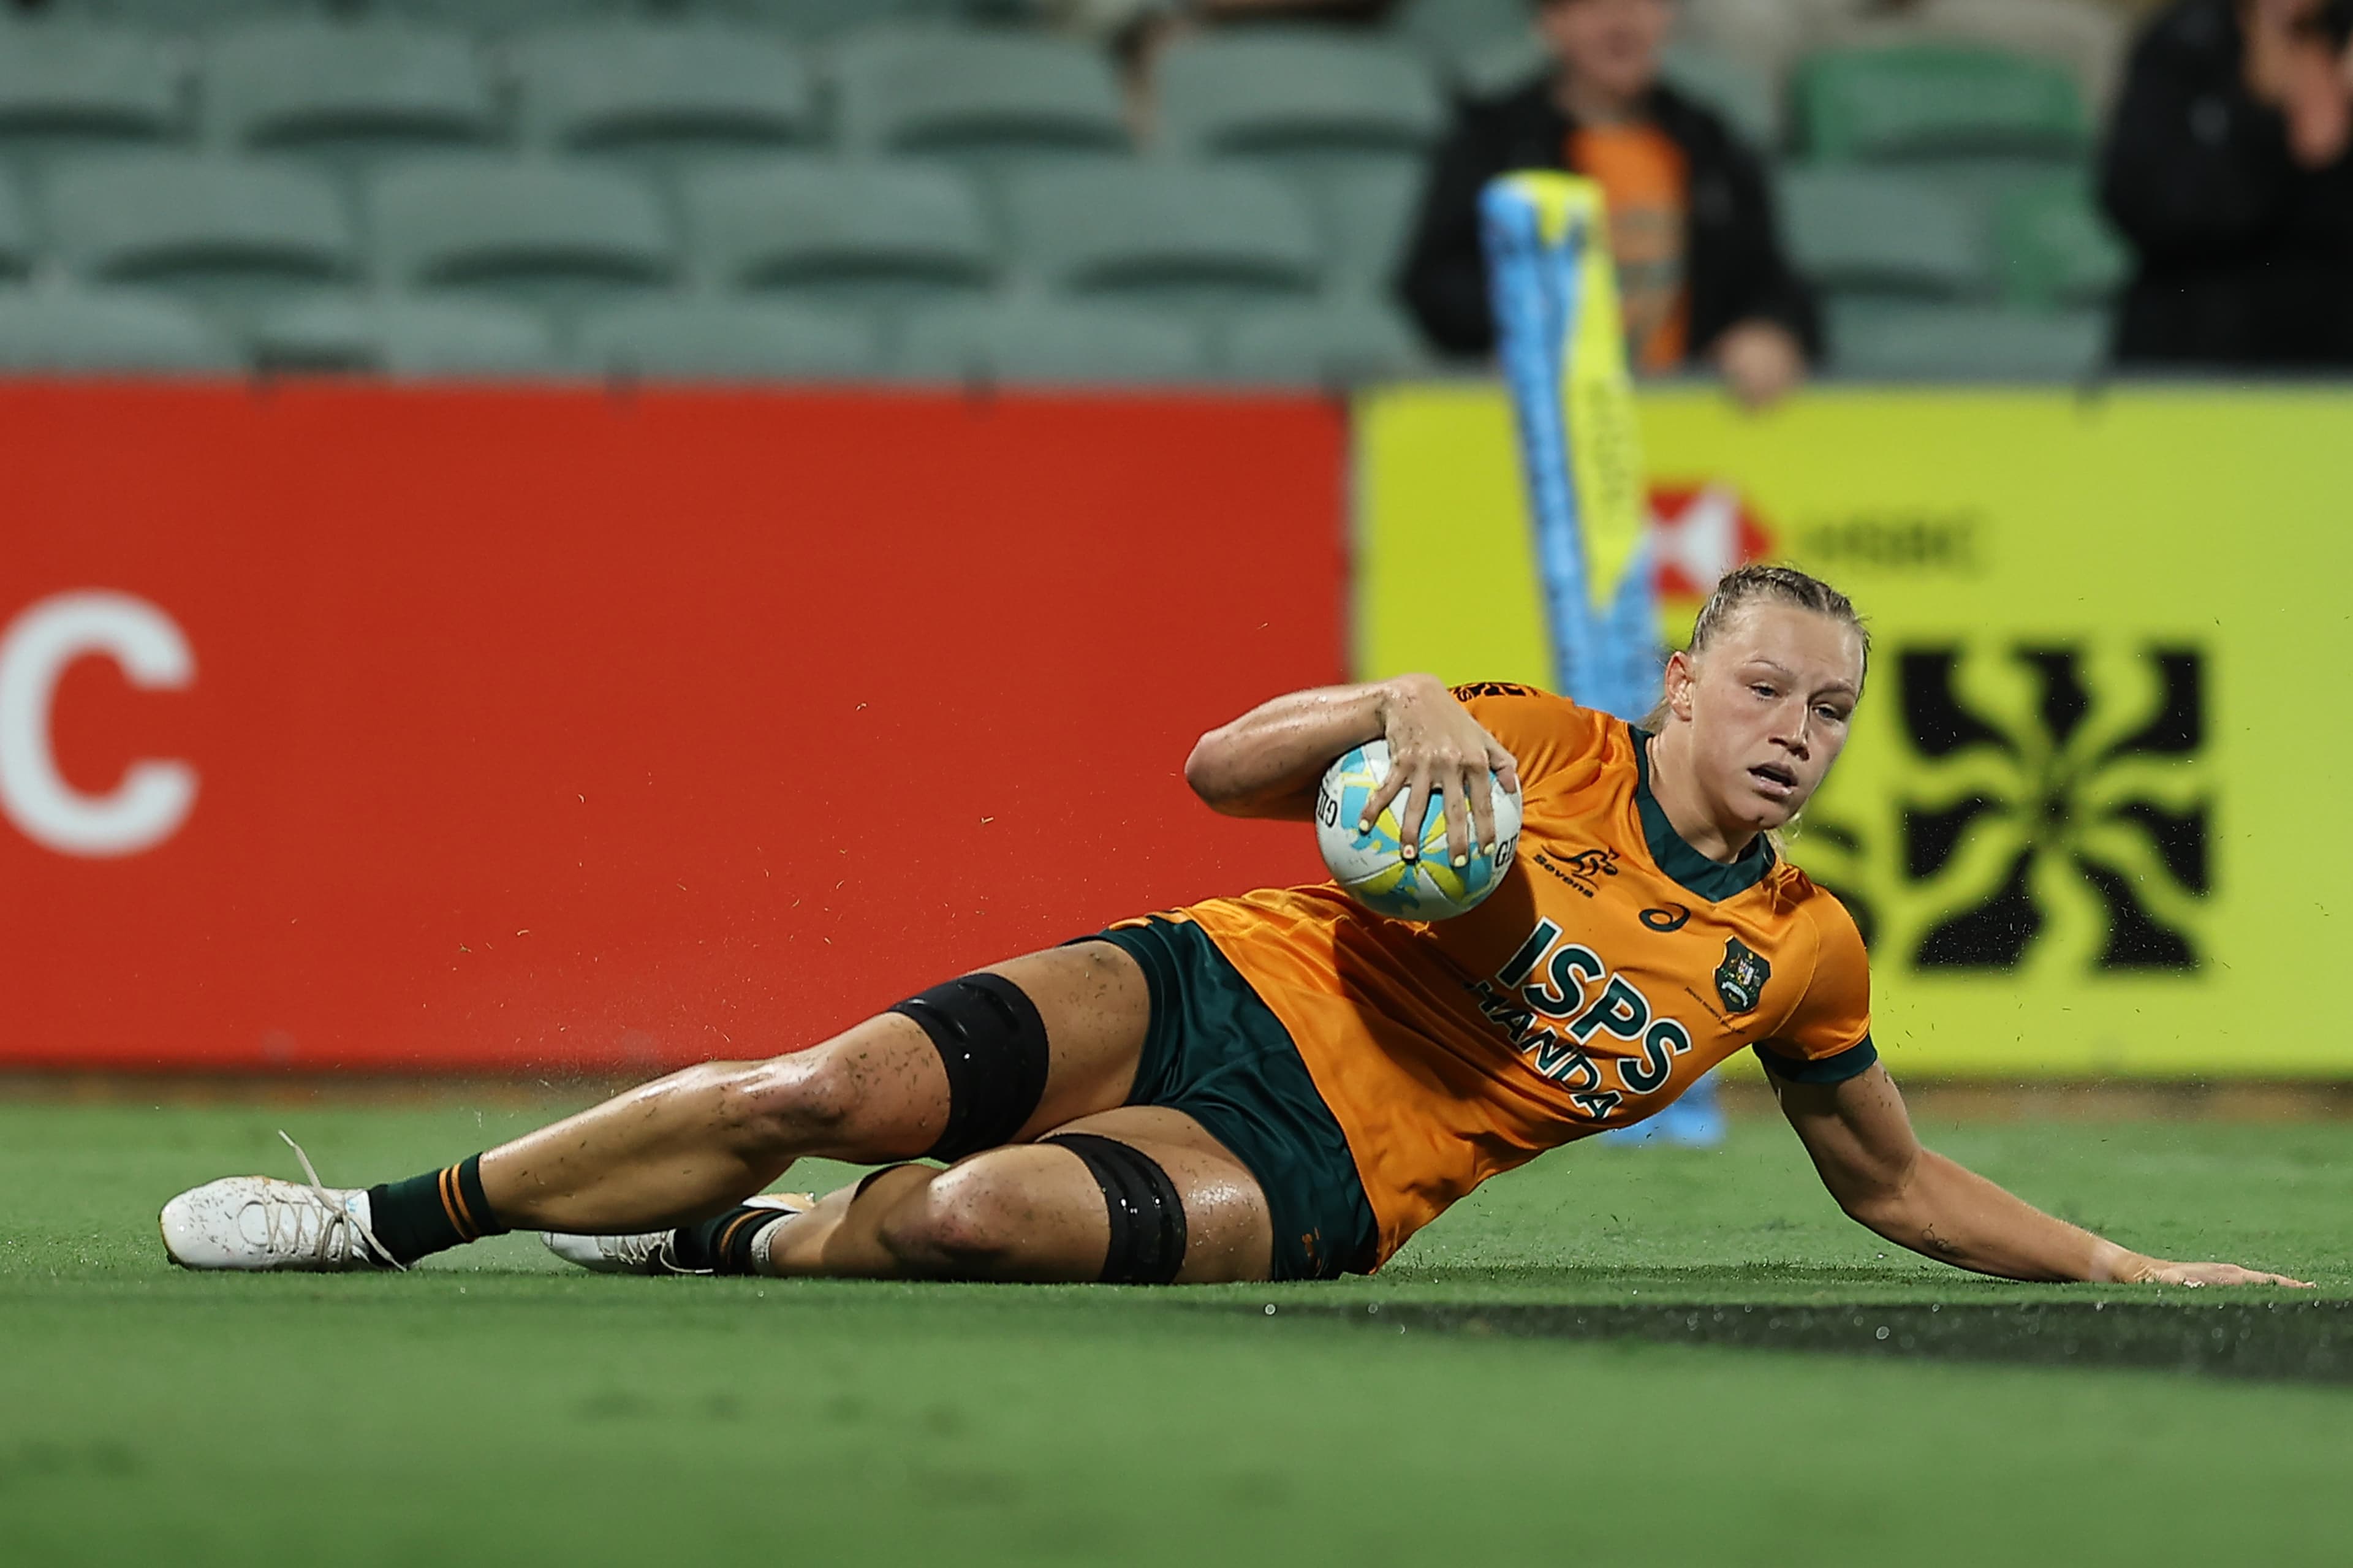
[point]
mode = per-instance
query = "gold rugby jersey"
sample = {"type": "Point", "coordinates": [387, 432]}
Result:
{"type": "Point", "coordinates": [1613, 966]}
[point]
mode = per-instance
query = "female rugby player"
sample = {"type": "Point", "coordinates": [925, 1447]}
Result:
{"type": "Point", "coordinates": [1284, 1085]}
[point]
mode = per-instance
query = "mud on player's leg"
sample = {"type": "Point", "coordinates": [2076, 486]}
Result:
{"type": "Point", "coordinates": [957, 1069]}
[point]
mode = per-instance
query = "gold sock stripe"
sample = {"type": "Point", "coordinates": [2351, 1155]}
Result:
{"type": "Point", "coordinates": [465, 1209]}
{"type": "Point", "coordinates": [453, 1204]}
{"type": "Point", "coordinates": [727, 1236]}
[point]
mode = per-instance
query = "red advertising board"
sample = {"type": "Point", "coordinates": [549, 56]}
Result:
{"type": "Point", "coordinates": [352, 726]}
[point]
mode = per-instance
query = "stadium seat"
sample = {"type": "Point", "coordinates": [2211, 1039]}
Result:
{"type": "Point", "coordinates": [729, 340]}
{"type": "Point", "coordinates": [547, 235]}
{"type": "Point", "coordinates": [75, 330]}
{"type": "Point", "coordinates": [15, 235]}
{"type": "Point", "coordinates": [1869, 232]}
{"type": "Point", "coordinates": [393, 335]}
{"type": "Point", "coordinates": [994, 99]}
{"type": "Point", "coordinates": [348, 93]}
{"type": "Point", "coordinates": [1936, 101]}
{"type": "Point", "coordinates": [66, 88]}
{"type": "Point", "coordinates": [663, 91]}
{"type": "Point", "coordinates": [1454, 30]}
{"type": "Point", "coordinates": [1336, 342]}
{"type": "Point", "coordinates": [829, 18]}
{"type": "Point", "coordinates": [1050, 341]}
{"type": "Point", "coordinates": [1884, 341]}
{"type": "Point", "coordinates": [1367, 217]}
{"type": "Point", "coordinates": [1764, 35]}
{"type": "Point", "coordinates": [2089, 38]}
{"type": "Point", "coordinates": [1300, 102]}
{"type": "Point", "coordinates": [224, 232]}
{"type": "Point", "coordinates": [2054, 247]}
{"type": "Point", "coordinates": [1744, 97]}
{"type": "Point", "coordinates": [848, 231]}
{"type": "Point", "coordinates": [179, 16]}
{"type": "Point", "coordinates": [1163, 235]}
{"type": "Point", "coordinates": [506, 16]}
{"type": "Point", "coordinates": [1500, 67]}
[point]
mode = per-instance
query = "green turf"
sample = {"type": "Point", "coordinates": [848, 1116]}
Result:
{"type": "Point", "coordinates": [488, 1408]}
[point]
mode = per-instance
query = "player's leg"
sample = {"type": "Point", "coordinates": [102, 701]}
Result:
{"type": "Point", "coordinates": [1138, 1195]}
{"type": "Point", "coordinates": [970, 1065]}
{"type": "Point", "coordinates": [987, 1059]}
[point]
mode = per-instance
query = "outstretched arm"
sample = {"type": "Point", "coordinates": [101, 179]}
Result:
{"type": "Point", "coordinates": [1862, 1142]}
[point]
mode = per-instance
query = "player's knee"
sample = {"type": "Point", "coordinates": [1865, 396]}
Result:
{"type": "Point", "coordinates": [964, 1224]}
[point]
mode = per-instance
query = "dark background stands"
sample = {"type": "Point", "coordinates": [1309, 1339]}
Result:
{"type": "Point", "coordinates": [1737, 271]}
{"type": "Point", "coordinates": [2228, 169]}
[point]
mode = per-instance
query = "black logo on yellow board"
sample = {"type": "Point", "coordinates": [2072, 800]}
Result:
{"type": "Point", "coordinates": [2081, 794]}
{"type": "Point", "coordinates": [1740, 978]}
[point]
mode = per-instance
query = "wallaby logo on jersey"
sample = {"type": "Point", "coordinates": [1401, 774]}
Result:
{"type": "Point", "coordinates": [1552, 997]}
{"type": "Point", "coordinates": [1740, 978]}
{"type": "Point", "coordinates": [1582, 870]}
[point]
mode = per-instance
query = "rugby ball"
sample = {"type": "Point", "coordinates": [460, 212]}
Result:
{"type": "Point", "coordinates": [1371, 868]}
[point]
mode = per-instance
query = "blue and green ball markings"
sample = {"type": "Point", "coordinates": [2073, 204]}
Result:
{"type": "Point", "coordinates": [1371, 867]}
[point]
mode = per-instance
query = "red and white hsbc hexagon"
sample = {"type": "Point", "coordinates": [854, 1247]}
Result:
{"type": "Point", "coordinates": [1699, 532]}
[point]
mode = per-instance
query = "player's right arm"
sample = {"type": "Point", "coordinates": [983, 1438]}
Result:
{"type": "Point", "coordinates": [1862, 1142]}
{"type": "Point", "coordinates": [1268, 762]}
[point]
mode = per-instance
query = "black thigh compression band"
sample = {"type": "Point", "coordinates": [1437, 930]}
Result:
{"type": "Point", "coordinates": [993, 1045]}
{"type": "Point", "coordinates": [1147, 1218]}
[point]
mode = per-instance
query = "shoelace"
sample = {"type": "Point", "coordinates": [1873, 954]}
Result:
{"type": "Point", "coordinates": [339, 1220]}
{"type": "Point", "coordinates": [652, 1246]}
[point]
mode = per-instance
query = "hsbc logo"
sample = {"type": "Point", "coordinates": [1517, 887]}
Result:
{"type": "Point", "coordinates": [1698, 532]}
{"type": "Point", "coordinates": [154, 796]}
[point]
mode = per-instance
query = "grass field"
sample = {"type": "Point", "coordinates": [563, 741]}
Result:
{"type": "Point", "coordinates": [489, 1408]}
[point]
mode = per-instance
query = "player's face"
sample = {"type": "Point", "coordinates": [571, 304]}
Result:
{"type": "Point", "coordinates": [1769, 703]}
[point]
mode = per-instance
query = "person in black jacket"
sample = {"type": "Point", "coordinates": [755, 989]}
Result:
{"type": "Point", "coordinates": [2230, 168]}
{"type": "Point", "coordinates": [1701, 277]}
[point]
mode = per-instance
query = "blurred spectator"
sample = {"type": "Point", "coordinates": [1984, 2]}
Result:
{"type": "Point", "coordinates": [2228, 169]}
{"type": "Point", "coordinates": [1701, 277]}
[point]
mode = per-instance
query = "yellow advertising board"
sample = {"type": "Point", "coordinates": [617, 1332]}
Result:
{"type": "Point", "coordinates": [2085, 815]}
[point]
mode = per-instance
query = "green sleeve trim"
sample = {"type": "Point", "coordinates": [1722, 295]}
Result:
{"type": "Point", "coordinates": [1849, 1063]}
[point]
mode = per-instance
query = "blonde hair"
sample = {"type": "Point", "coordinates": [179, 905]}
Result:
{"type": "Point", "coordinates": [1761, 585]}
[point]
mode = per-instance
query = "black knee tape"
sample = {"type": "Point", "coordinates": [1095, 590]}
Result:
{"type": "Point", "coordinates": [871, 1177]}
{"type": "Point", "coordinates": [993, 1045]}
{"type": "Point", "coordinates": [1147, 1218]}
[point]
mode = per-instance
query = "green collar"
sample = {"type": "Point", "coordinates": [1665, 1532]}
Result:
{"type": "Point", "coordinates": [1711, 879]}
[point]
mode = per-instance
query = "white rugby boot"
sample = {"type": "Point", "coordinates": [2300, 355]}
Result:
{"type": "Point", "coordinates": [652, 1252]}
{"type": "Point", "coordinates": [256, 1223]}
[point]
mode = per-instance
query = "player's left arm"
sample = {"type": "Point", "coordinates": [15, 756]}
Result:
{"type": "Point", "coordinates": [1862, 1142]}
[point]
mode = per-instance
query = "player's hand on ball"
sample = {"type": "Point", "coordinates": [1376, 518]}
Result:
{"type": "Point", "coordinates": [1437, 750]}
{"type": "Point", "coordinates": [2195, 1274]}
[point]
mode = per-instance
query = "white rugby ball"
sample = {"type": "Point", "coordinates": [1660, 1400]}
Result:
{"type": "Point", "coordinates": [1372, 868]}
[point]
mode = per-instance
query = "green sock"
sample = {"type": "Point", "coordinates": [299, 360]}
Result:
{"type": "Point", "coordinates": [434, 1211]}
